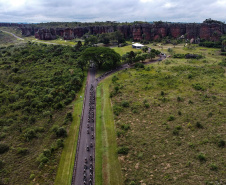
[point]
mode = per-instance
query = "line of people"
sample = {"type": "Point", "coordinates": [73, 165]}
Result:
{"type": "Point", "coordinates": [88, 163]}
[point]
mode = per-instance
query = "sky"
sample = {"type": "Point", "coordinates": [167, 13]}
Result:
{"type": "Point", "coordinates": [36, 11]}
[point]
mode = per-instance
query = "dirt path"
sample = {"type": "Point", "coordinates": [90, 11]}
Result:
{"type": "Point", "coordinates": [12, 35]}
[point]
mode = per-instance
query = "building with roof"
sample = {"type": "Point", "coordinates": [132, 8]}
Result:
{"type": "Point", "coordinates": [137, 46]}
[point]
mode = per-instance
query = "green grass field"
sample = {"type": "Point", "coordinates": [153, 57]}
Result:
{"type": "Point", "coordinates": [170, 120]}
{"type": "Point", "coordinates": [107, 167]}
{"type": "Point", "coordinates": [58, 41]}
{"type": "Point", "coordinates": [125, 49]}
{"type": "Point", "coordinates": [66, 165]}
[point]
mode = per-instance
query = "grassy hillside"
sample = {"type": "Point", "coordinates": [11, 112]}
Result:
{"type": "Point", "coordinates": [37, 85]}
{"type": "Point", "coordinates": [7, 39]}
{"type": "Point", "coordinates": [170, 119]}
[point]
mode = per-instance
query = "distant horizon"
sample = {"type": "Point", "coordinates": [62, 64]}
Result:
{"type": "Point", "coordinates": [102, 21]}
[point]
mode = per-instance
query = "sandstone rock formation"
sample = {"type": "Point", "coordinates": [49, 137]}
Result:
{"type": "Point", "coordinates": [207, 31]}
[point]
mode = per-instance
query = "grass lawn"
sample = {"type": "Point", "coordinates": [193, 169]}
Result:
{"type": "Point", "coordinates": [107, 167]}
{"type": "Point", "coordinates": [170, 120]}
{"type": "Point", "coordinates": [125, 49]}
{"type": "Point", "coordinates": [66, 165]}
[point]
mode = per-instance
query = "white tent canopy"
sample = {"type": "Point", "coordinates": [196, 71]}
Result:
{"type": "Point", "coordinates": [137, 45]}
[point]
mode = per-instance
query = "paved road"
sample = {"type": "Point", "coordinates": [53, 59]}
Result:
{"type": "Point", "coordinates": [84, 167]}
{"type": "Point", "coordinates": [12, 35]}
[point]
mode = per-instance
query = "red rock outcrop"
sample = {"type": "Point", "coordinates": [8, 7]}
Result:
{"type": "Point", "coordinates": [207, 31]}
{"type": "Point", "coordinates": [46, 34]}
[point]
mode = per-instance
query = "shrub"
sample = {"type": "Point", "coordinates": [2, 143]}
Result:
{"type": "Point", "coordinates": [60, 143]}
{"type": "Point", "coordinates": [30, 134]}
{"type": "Point", "coordinates": [221, 143]}
{"type": "Point", "coordinates": [59, 105]}
{"type": "Point", "coordinates": [199, 125]}
{"type": "Point", "coordinates": [190, 76]}
{"type": "Point", "coordinates": [120, 133]}
{"type": "Point", "coordinates": [179, 113]}
{"type": "Point", "coordinates": [171, 118]}
{"type": "Point", "coordinates": [223, 63]}
{"type": "Point", "coordinates": [54, 128]}
{"type": "Point", "coordinates": [42, 158]}
{"type": "Point", "coordinates": [139, 65]}
{"type": "Point", "coordinates": [123, 150]}
{"type": "Point", "coordinates": [125, 127]}
{"type": "Point", "coordinates": [116, 88]}
{"type": "Point", "coordinates": [3, 148]}
{"type": "Point", "coordinates": [162, 93]}
{"type": "Point", "coordinates": [69, 116]}
{"type": "Point", "coordinates": [190, 102]}
{"type": "Point", "coordinates": [125, 104]}
{"type": "Point", "coordinates": [46, 152]}
{"type": "Point", "coordinates": [213, 167]}
{"type": "Point", "coordinates": [175, 132]}
{"type": "Point", "coordinates": [179, 99]}
{"type": "Point", "coordinates": [198, 87]}
{"type": "Point", "coordinates": [132, 183]}
{"type": "Point", "coordinates": [114, 79]}
{"type": "Point", "coordinates": [22, 151]}
{"type": "Point", "coordinates": [117, 109]}
{"type": "Point", "coordinates": [32, 176]}
{"type": "Point", "coordinates": [201, 157]}
{"type": "Point", "coordinates": [39, 129]}
{"type": "Point", "coordinates": [61, 132]}
{"type": "Point", "coordinates": [147, 105]}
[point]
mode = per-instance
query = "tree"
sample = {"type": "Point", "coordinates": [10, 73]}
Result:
{"type": "Point", "coordinates": [119, 37]}
{"type": "Point", "coordinates": [102, 57]}
{"type": "Point", "coordinates": [105, 38]}
{"type": "Point", "coordinates": [78, 45]}
{"type": "Point", "coordinates": [91, 40]}
{"type": "Point", "coordinates": [81, 63]}
{"type": "Point", "coordinates": [145, 49]}
{"type": "Point", "coordinates": [152, 55]}
{"type": "Point", "coordinates": [131, 56]}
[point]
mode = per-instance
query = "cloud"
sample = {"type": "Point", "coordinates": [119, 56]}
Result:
{"type": "Point", "coordinates": [111, 10]}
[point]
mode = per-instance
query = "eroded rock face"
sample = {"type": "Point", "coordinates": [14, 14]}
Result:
{"type": "Point", "coordinates": [46, 34]}
{"type": "Point", "coordinates": [207, 31]}
{"type": "Point", "coordinates": [176, 30]}
{"type": "Point", "coordinates": [211, 31]}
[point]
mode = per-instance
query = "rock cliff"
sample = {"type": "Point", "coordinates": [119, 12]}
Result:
{"type": "Point", "coordinates": [207, 31]}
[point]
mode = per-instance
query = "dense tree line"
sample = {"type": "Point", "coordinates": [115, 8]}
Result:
{"type": "Point", "coordinates": [35, 78]}
{"type": "Point", "coordinates": [105, 38]}
{"type": "Point", "coordinates": [133, 57]}
{"type": "Point", "coordinates": [37, 82]}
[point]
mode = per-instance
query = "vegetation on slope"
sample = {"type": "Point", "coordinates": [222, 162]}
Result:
{"type": "Point", "coordinates": [6, 39]}
{"type": "Point", "coordinates": [170, 120]}
{"type": "Point", "coordinates": [37, 85]}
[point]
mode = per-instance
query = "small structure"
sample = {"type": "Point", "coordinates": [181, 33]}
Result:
{"type": "Point", "coordinates": [137, 46]}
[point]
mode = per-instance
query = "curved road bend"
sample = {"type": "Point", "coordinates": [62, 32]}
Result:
{"type": "Point", "coordinates": [84, 164]}
{"type": "Point", "coordinates": [12, 34]}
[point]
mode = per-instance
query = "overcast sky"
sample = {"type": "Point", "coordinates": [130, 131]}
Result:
{"type": "Point", "coordinates": [34, 11]}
